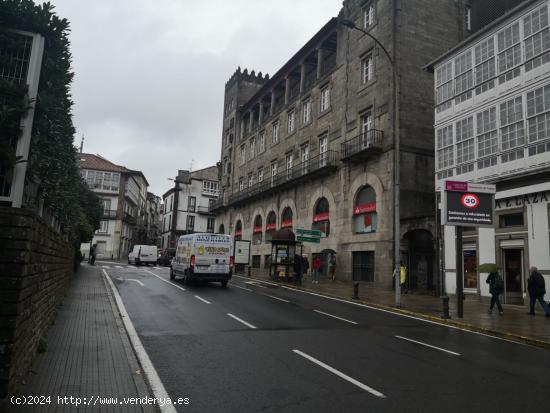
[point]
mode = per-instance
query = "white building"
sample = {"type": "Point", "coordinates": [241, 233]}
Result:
{"type": "Point", "coordinates": [492, 125]}
{"type": "Point", "coordinates": [187, 204]}
{"type": "Point", "coordinates": [123, 193]}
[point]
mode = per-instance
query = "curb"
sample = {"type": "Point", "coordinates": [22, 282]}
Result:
{"type": "Point", "coordinates": [505, 335]}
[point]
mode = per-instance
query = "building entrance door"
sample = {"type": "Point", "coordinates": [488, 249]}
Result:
{"type": "Point", "coordinates": [513, 275]}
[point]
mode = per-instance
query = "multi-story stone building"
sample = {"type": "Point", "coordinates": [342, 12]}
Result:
{"type": "Point", "coordinates": [313, 146]}
{"type": "Point", "coordinates": [187, 205]}
{"type": "Point", "coordinates": [123, 193]}
{"type": "Point", "coordinates": [154, 219]}
{"type": "Point", "coordinates": [492, 123]}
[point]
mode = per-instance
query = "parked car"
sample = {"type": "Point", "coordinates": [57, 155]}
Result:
{"type": "Point", "coordinates": [165, 256]}
{"type": "Point", "coordinates": [143, 254]}
{"type": "Point", "coordinates": [207, 257]}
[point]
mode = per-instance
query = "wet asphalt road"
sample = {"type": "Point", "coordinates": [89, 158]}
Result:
{"type": "Point", "coordinates": [257, 347]}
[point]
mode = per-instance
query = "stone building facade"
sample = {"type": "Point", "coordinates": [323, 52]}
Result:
{"type": "Point", "coordinates": [313, 146]}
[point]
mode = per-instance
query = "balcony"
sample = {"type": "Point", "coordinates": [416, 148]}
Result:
{"type": "Point", "coordinates": [321, 165]}
{"type": "Point", "coordinates": [363, 146]}
{"type": "Point", "coordinates": [130, 219]}
{"type": "Point", "coordinates": [108, 214]}
{"type": "Point", "coordinates": [204, 210]}
{"type": "Point", "coordinates": [216, 205]}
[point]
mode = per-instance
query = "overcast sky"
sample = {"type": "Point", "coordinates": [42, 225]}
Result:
{"type": "Point", "coordinates": [150, 75]}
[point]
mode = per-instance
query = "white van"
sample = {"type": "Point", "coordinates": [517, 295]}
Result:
{"type": "Point", "coordinates": [203, 257]}
{"type": "Point", "coordinates": [143, 254]}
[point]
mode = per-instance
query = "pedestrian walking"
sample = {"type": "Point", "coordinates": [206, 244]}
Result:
{"type": "Point", "coordinates": [93, 254]}
{"type": "Point", "coordinates": [332, 266]}
{"type": "Point", "coordinates": [496, 287]}
{"type": "Point", "coordinates": [316, 269]}
{"type": "Point", "coordinates": [298, 269]}
{"type": "Point", "coordinates": [403, 278]}
{"type": "Point", "coordinates": [306, 264]}
{"type": "Point", "coordinates": [537, 289]}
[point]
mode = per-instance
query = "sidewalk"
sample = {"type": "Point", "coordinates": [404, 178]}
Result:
{"type": "Point", "coordinates": [515, 324]}
{"type": "Point", "coordinates": [88, 354]}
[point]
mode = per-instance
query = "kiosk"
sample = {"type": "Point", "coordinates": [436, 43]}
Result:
{"type": "Point", "coordinates": [283, 255]}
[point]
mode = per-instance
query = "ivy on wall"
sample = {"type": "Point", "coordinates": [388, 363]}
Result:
{"type": "Point", "coordinates": [52, 167]}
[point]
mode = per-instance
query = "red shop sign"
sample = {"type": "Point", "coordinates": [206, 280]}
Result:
{"type": "Point", "coordinates": [323, 216]}
{"type": "Point", "coordinates": [257, 230]}
{"type": "Point", "coordinates": [368, 220]}
{"type": "Point", "coordinates": [271, 227]}
{"type": "Point", "coordinates": [238, 232]}
{"type": "Point", "coordinates": [286, 224]}
{"type": "Point", "coordinates": [364, 208]}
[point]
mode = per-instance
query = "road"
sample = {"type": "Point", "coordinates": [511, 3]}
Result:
{"type": "Point", "coordinates": [260, 347]}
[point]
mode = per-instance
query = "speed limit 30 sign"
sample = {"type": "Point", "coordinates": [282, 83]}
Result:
{"type": "Point", "coordinates": [470, 200]}
{"type": "Point", "coordinates": [468, 204]}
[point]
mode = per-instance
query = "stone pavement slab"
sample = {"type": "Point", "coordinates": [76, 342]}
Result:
{"type": "Point", "coordinates": [88, 355]}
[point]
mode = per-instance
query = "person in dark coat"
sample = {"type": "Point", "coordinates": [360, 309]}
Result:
{"type": "Point", "coordinates": [537, 289]}
{"type": "Point", "coordinates": [496, 287]}
{"type": "Point", "coordinates": [93, 254]}
{"type": "Point", "coordinates": [298, 268]}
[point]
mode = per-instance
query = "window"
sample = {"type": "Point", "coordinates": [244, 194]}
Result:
{"type": "Point", "coordinates": [241, 183]}
{"type": "Point", "coordinates": [103, 227]}
{"type": "Point", "coordinates": [261, 142]}
{"type": "Point", "coordinates": [257, 230]}
{"type": "Point", "coordinates": [469, 256]}
{"type": "Point", "coordinates": [238, 230]}
{"type": "Point", "coordinates": [445, 150]}
{"type": "Point", "coordinates": [291, 123]}
{"type": "Point", "coordinates": [366, 69]}
{"type": "Point", "coordinates": [271, 226]}
{"type": "Point", "coordinates": [260, 175]}
{"type": "Point", "coordinates": [325, 99]}
{"type": "Point", "coordinates": [252, 148]}
{"type": "Point", "coordinates": [323, 150]}
{"type": "Point", "coordinates": [243, 154]}
{"type": "Point", "coordinates": [286, 218]}
{"type": "Point", "coordinates": [484, 56]}
{"type": "Point", "coordinates": [102, 181]}
{"type": "Point", "coordinates": [468, 18]}
{"type": "Point", "coordinates": [368, 16]}
{"type": "Point", "coordinates": [365, 218]}
{"type": "Point", "coordinates": [538, 114]}
{"type": "Point", "coordinates": [289, 162]}
{"type": "Point", "coordinates": [275, 132]}
{"type": "Point", "coordinates": [511, 220]}
{"type": "Point", "coordinates": [487, 137]}
{"type": "Point", "coordinates": [321, 217]}
{"type": "Point", "coordinates": [537, 38]}
{"type": "Point", "coordinates": [210, 224]}
{"type": "Point", "coordinates": [509, 53]}
{"type": "Point", "coordinates": [306, 112]}
{"type": "Point", "coordinates": [106, 204]}
{"type": "Point", "coordinates": [444, 90]}
{"type": "Point", "coordinates": [464, 80]}
{"type": "Point", "coordinates": [210, 187]}
{"type": "Point", "coordinates": [190, 225]}
{"type": "Point", "coordinates": [511, 117]}
{"type": "Point", "coordinates": [221, 229]}
{"type": "Point", "coordinates": [304, 158]}
{"type": "Point", "coordinates": [273, 172]}
{"type": "Point", "coordinates": [191, 203]}
{"type": "Point", "coordinates": [250, 180]}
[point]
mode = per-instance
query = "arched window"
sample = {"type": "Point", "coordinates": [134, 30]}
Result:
{"type": "Point", "coordinates": [238, 230]}
{"type": "Point", "coordinates": [321, 219]}
{"type": "Point", "coordinates": [286, 218]}
{"type": "Point", "coordinates": [270, 226]}
{"type": "Point", "coordinates": [365, 218]}
{"type": "Point", "coordinates": [221, 229]}
{"type": "Point", "coordinates": [257, 230]}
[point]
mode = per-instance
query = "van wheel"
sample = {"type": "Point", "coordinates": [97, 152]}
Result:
{"type": "Point", "coordinates": [172, 275]}
{"type": "Point", "coordinates": [224, 284]}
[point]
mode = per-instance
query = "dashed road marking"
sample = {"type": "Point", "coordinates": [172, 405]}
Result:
{"type": "Point", "coordinates": [166, 281]}
{"type": "Point", "coordinates": [240, 320]}
{"type": "Point", "coordinates": [277, 298]}
{"type": "Point", "coordinates": [334, 316]}
{"type": "Point", "coordinates": [242, 288]}
{"type": "Point", "coordinates": [202, 299]}
{"type": "Point", "coordinates": [428, 345]}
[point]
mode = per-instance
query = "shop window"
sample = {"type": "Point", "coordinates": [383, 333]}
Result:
{"type": "Point", "coordinates": [511, 220]}
{"type": "Point", "coordinates": [286, 218]}
{"type": "Point", "coordinates": [365, 218]}
{"type": "Point", "coordinates": [470, 268]}
{"type": "Point", "coordinates": [257, 230]}
{"type": "Point", "coordinates": [321, 219]}
{"type": "Point", "coordinates": [239, 231]}
{"type": "Point", "coordinates": [271, 226]}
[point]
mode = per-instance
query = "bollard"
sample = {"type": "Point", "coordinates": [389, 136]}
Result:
{"type": "Point", "coordinates": [249, 271]}
{"type": "Point", "coordinates": [355, 290]}
{"type": "Point", "coordinates": [445, 307]}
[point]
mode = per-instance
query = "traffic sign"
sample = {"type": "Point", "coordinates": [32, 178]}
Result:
{"type": "Point", "coordinates": [309, 232]}
{"type": "Point", "coordinates": [309, 239]}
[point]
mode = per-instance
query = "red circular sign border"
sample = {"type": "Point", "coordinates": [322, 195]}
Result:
{"type": "Point", "coordinates": [469, 206]}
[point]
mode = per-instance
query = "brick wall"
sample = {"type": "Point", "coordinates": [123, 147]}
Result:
{"type": "Point", "coordinates": [36, 264]}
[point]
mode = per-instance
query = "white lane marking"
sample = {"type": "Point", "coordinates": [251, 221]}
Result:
{"type": "Point", "coordinates": [105, 266]}
{"type": "Point", "coordinates": [118, 266]}
{"type": "Point", "coordinates": [277, 298]}
{"type": "Point", "coordinates": [154, 380]}
{"type": "Point", "coordinates": [391, 312]}
{"type": "Point", "coordinates": [202, 299]}
{"type": "Point", "coordinates": [240, 321]}
{"type": "Point", "coordinates": [138, 281]}
{"type": "Point", "coordinates": [340, 374]}
{"type": "Point", "coordinates": [166, 281]}
{"type": "Point", "coordinates": [428, 345]}
{"type": "Point", "coordinates": [242, 288]}
{"type": "Point", "coordinates": [255, 284]}
{"type": "Point", "coordinates": [333, 316]}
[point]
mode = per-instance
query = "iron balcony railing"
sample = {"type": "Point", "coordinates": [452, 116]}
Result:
{"type": "Point", "coordinates": [204, 210]}
{"type": "Point", "coordinates": [215, 205]}
{"type": "Point", "coordinates": [325, 161]}
{"type": "Point", "coordinates": [108, 213]}
{"type": "Point", "coordinates": [370, 141]}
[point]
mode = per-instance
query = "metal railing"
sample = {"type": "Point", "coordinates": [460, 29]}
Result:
{"type": "Point", "coordinates": [130, 218]}
{"type": "Point", "coordinates": [370, 140]}
{"type": "Point", "coordinates": [217, 204]}
{"type": "Point", "coordinates": [321, 162]}
{"type": "Point", "coordinates": [109, 213]}
{"type": "Point", "coordinates": [204, 210]}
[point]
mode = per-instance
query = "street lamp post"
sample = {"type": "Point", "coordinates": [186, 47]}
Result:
{"type": "Point", "coordinates": [396, 180]}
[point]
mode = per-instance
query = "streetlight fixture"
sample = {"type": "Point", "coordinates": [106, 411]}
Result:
{"type": "Point", "coordinates": [396, 180]}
